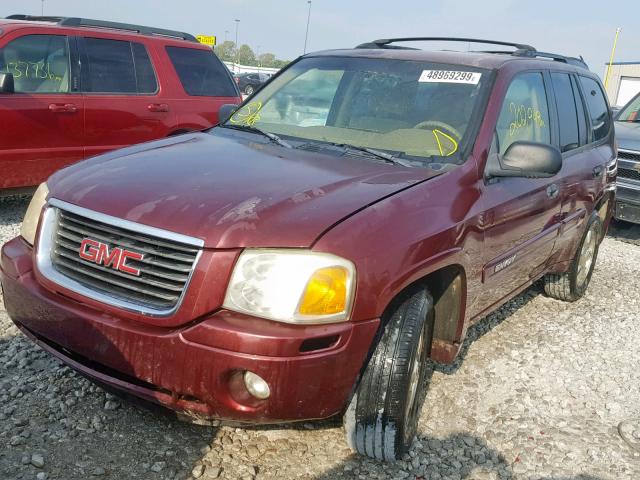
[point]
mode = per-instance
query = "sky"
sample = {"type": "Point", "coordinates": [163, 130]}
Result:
{"type": "Point", "coordinates": [570, 27]}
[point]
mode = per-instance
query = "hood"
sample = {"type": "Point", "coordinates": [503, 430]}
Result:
{"type": "Point", "coordinates": [628, 135]}
{"type": "Point", "coordinates": [231, 189]}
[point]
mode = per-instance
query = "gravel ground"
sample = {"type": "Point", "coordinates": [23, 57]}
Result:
{"type": "Point", "coordinates": [542, 390]}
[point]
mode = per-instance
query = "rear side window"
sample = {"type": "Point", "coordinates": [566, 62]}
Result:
{"type": "Point", "coordinates": [116, 66]}
{"type": "Point", "coordinates": [598, 109]}
{"type": "Point", "coordinates": [567, 111]}
{"type": "Point", "coordinates": [145, 76]}
{"type": "Point", "coordinates": [38, 63]}
{"type": "Point", "coordinates": [201, 73]}
{"type": "Point", "coordinates": [582, 116]}
{"type": "Point", "coordinates": [525, 112]}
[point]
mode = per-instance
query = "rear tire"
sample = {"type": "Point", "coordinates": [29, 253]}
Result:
{"type": "Point", "coordinates": [382, 418]}
{"type": "Point", "coordinates": [572, 285]}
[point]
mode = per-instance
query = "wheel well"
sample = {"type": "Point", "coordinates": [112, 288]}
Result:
{"type": "Point", "coordinates": [447, 287]}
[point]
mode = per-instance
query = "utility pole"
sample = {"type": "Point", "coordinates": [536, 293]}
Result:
{"type": "Point", "coordinates": [42, 8]}
{"type": "Point", "coordinates": [306, 35]}
{"type": "Point", "coordinates": [226, 34]}
{"type": "Point", "coordinates": [237, 48]}
{"type": "Point", "coordinates": [258, 56]}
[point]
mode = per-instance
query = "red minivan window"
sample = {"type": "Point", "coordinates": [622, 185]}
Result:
{"type": "Point", "coordinates": [201, 73]}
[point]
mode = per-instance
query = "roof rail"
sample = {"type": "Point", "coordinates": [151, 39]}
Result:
{"type": "Point", "coordinates": [521, 49]}
{"type": "Point", "coordinates": [87, 22]}
{"type": "Point", "coordinates": [385, 42]}
{"type": "Point", "coordinates": [575, 61]}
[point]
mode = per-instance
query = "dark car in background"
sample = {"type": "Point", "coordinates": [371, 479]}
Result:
{"type": "Point", "coordinates": [628, 182]}
{"type": "Point", "coordinates": [71, 88]}
{"type": "Point", "coordinates": [248, 83]}
{"type": "Point", "coordinates": [313, 254]}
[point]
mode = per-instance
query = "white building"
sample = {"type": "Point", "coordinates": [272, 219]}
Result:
{"type": "Point", "coordinates": [624, 82]}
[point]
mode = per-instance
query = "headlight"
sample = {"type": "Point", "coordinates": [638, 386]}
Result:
{"type": "Point", "coordinates": [30, 221]}
{"type": "Point", "coordinates": [292, 286]}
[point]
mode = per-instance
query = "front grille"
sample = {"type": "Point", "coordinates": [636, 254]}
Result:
{"type": "Point", "coordinates": [629, 173]}
{"type": "Point", "coordinates": [629, 155]}
{"type": "Point", "coordinates": [164, 270]}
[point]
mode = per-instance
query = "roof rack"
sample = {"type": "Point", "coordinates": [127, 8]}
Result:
{"type": "Point", "coordinates": [521, 49]}
{"type": "Point", "coordinates": [385, 42]}
{"type": "Point", "coordinates": [87, 22]}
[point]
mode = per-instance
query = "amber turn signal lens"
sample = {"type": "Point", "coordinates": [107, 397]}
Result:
{"type": "Point", "coordinates": [326, 292]}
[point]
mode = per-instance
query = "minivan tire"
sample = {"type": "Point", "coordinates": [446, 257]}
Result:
{"type": "Point", "coordinates": [382, 417]}
{"type": "Point", "coordinates": [570, 286]}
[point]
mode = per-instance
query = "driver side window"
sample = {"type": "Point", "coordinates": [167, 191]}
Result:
{"type": "Point", "coordinates": [525, 113]}
{"type": "Point", "coordinates": [38, 63]}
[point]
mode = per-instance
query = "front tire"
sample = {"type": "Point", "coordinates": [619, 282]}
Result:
{"type": "Point", "coordinates": [248, 90]}
{"type": "Point", "coordinates": [572, 285]}
{"type": "Point", "coordinates": [382, 418]}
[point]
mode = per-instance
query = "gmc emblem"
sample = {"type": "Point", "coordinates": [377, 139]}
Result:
{"type": "Point", "coordinates": [116, 258]}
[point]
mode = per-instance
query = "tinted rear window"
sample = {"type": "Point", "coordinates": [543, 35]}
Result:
{"type": "Point", "coordinates": [598, 109]}
{"type": "Point", "coordinates": [109, 67]}
{"type": "Point", "coordinates": [116, 66]}
{"type": "Point", "coordinates": [201, 73]}
{"type": "Point", "coordinates": [145, 75]}
{"type": "Point", "coordinates": [567, 111]}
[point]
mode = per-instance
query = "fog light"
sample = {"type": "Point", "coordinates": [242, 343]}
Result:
{"type": "Point", "coordinates": [256, 385]}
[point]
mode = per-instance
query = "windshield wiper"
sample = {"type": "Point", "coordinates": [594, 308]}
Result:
{"type": "Point", "coordinates": [271, 136]}
{"type": "Point", "coordinates": [389, 158]}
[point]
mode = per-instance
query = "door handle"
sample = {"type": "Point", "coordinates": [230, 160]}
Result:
{"type": "Point", "coordinates": [63, 108]}
{"type": "Point", "coordinates": [158, 107]}
{"type": "Point", "coordinates": [552, 190]}
{"type": "Point", "coordinates": [597, 171]}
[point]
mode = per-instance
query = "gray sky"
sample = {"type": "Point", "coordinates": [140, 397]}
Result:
{"type": "Point", "coordinates": [572, 27]}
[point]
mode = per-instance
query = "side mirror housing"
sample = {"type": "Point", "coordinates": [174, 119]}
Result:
{"type": "Point", "coordinates": [526, 159]}
{"type": "Point", "coordinates": [615, 111]}
{"type": "Point", "coordinates": [6, 83]}
{"type": "Point", "coordinates": [226, 111]}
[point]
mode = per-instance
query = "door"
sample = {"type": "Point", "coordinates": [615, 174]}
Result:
{"type": "Point", "coordinates": [42, 122]}
{"type": "Point", "coordinates": [122, 98]}
{"type": "Point", "coordinates": [580, 162]}
{"type": "Point", "coordinates": [521, 214]}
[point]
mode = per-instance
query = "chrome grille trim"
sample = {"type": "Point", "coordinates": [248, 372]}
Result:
{"type": "Point", "coordinates": [628, 155]}
{"type": "Point", "coordinates": [165, 273]}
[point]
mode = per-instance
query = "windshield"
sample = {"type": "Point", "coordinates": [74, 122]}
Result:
{"type": "Point", "coordinates": [409, 108]}
{"type": "Point", "coordinates": [631, 111]}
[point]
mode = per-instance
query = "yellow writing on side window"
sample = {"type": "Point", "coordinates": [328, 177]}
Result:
{"type": "Point", "coordinates": [32, 70]}
{"type": "Point", "coordinates": [524, 117]}
{"type": "Point", "coordinates": [247, 115]}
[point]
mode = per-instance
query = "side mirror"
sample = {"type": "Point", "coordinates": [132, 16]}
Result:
{"type": "Point", "coordinates": [615, 111]}
{"type": "Point", "coordinates": [226, 111]}
{"type": "Point", "coordinates": [526, 159]}
{"type": "Point", "coordinates": [6, 83]}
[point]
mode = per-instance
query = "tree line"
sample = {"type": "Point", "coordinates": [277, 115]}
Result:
{"type": "Point", "coordinates": [244, 55]}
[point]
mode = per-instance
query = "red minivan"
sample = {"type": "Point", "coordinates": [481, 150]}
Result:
{"type": "Point", "coordinates": [72, 88]}
{"type": "Point", "coordinates": [314, 253]}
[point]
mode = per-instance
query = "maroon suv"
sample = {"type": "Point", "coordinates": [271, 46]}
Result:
{"type": "Point", "coordinates": [71, 88]}
{"type": "Point", "coordinates": [313, 254]}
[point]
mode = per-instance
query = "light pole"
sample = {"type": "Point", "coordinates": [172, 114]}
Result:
{"type": "Point", "coordinates": [237, 49]}
{"type": "Point", "coordinates": [306, 35]}
{"type": "Point", "coordinates": [42, 8]}
{"type": "Point", "coordinates": [258, 56]}
{"type": "Point", "coordinates": [226, 34]}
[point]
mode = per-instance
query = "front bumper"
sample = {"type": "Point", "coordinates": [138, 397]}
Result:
{"type": "Point", "coordinates": [194, 369]}
{"type": "Point", "coordinates": [628, 202]}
